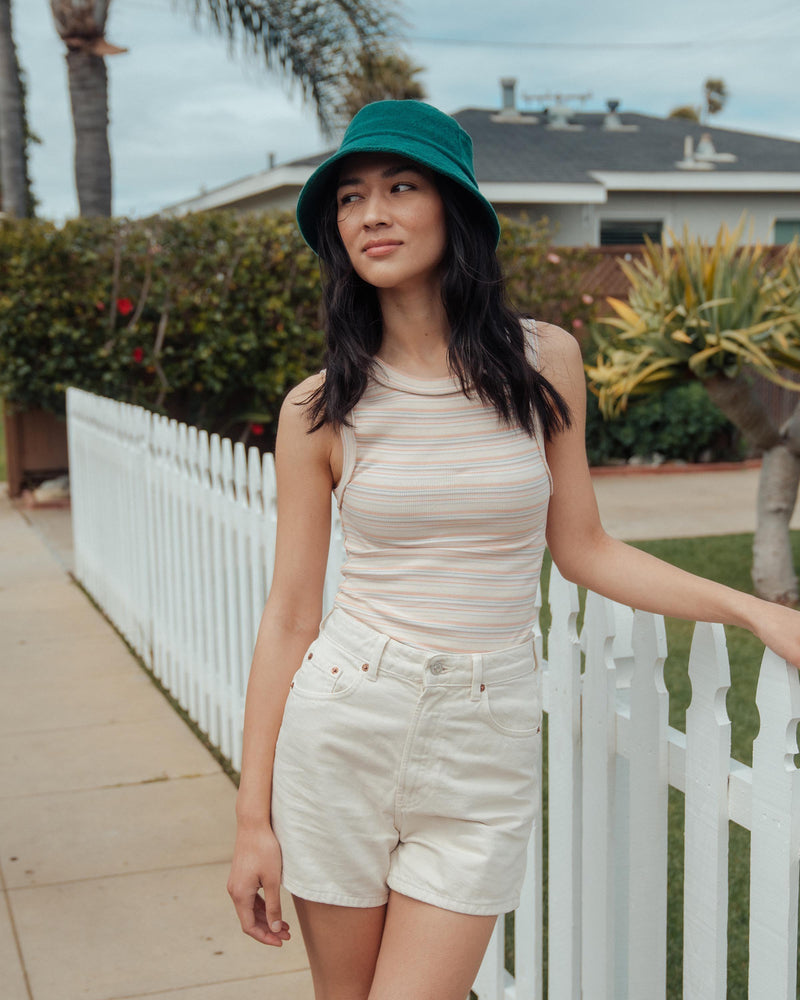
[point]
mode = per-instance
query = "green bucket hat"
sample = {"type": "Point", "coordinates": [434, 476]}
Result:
{"type": "Point", "coordinates": [408, 128]}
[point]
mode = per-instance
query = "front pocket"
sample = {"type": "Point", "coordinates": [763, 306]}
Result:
{"type": "Point", "coordinates": [326, 672]}
{"type": "Point", "coordinates": [514, 707]}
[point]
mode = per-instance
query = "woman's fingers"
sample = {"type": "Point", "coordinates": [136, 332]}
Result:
{"type": "Point", "coordinates": [268, 928]}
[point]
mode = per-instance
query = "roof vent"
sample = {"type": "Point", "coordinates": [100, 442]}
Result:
{"type": "Point", "coordinates": [612, 121]}
{"type": "Point", "coordinates": [706, 151]}
{"type": "Point", "coordinates": [559, 113]}
{"type": "Point", "coordinates": [508, 85]}
{"type": "Point", "coordinates": [509, 112]}
{"type": "Point", "coordinates": [690, 161]}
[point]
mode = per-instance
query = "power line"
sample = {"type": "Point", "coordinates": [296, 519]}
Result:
{"type": "Point", "coordinates": [608, 46]}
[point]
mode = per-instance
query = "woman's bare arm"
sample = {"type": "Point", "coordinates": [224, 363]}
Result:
{"type": "Point", "coordinates": [289, 624]}
{"type": "Point", "coordinates": [585, 554]}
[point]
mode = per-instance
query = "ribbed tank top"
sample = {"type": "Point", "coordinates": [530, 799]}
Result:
{"type": "Point", "coordinates": [443, 510]}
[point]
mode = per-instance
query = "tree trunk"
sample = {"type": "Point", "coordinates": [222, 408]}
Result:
{"type": "Point", "coordinates": [773, 566]}
{"type": "Point", "coordinates": [773, 572]}
{"type": "Point", "coordinates": [13, 167]}
{"type": "Point", "coordinates": [88, 91]}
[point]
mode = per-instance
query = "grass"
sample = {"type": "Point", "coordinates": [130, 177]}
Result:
{"type": "Point", "coordinates": [726, 559]}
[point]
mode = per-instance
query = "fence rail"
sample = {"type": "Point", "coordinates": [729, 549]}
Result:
{"type": "Point", "coordinates": [174, 537]}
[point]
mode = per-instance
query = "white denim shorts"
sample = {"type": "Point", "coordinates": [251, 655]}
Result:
{"type": "Point", "coordinates": [407, 769]}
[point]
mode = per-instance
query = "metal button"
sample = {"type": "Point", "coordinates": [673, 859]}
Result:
{"type": "Point", "coordinates": [483, 687]}
{"type": "Point", "coordinates": [437, 667]}
{"type": "Point", "coordinates": [365, 666]}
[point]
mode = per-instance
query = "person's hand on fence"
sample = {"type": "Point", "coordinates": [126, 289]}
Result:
{"type": "Point", "coordinates": [779, 628]}
{"type": "Point", "coordinates": [257, 865]}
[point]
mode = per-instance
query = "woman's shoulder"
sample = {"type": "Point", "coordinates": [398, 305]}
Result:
{"type": "Point", "coordinates": [295, 409]}
{"type": "Point", "coordinates": [550, 345]}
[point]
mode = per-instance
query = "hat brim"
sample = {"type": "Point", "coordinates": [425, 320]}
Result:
{"type": "Point", "coordinates": [319, 187]}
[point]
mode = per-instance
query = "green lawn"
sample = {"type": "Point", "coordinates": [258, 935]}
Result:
{"type": "Point", "coordinates": [726, 559]}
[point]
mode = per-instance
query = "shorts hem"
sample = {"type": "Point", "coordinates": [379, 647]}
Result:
{"type": "Point", "coordinates": [335, 898]}
{"type": "Point", "coordinates": [427, 895]}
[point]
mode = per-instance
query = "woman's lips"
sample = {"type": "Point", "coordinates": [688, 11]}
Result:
{"type": "Point", "coordinates": [380, 249]}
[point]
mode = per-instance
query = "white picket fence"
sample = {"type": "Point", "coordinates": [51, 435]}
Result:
{"type": "Point", "coordinates": [174, 538]}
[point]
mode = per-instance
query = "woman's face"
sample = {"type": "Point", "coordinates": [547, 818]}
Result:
{"type": "Point", "coordinates": [391, 220]}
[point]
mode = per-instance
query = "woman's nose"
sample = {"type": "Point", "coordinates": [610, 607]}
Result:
{"type": "Point", "coordinates": [375, 211]}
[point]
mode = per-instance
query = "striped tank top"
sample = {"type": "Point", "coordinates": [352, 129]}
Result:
{"type": "Point", "coordinates": [443, 510]}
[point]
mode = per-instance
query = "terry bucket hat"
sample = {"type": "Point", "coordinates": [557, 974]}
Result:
{"type": "Point", "coordinates": [410, 128]}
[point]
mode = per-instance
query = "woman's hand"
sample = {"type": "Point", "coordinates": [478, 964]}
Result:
{"type": "Point", "coordinates": [257, 865]}
{"type": "Point", "coordinates": [779, 628]}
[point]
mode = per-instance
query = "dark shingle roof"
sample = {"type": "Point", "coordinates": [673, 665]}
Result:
{"type": "Point", "coordinates": [534, 152]}
{"type": "Point", "coordinates": [521, 152]}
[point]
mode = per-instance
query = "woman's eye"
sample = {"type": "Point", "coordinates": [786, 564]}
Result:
{"type": "Point", "coordinates": [403, 186]}
{"type": "Point", "coordinates": [348, 199]}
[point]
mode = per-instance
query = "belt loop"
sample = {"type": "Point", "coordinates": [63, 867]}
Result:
{"type": "Point", "coordinates": [375, 657]}
{"type": "Point", "coordinates": [477, 677]}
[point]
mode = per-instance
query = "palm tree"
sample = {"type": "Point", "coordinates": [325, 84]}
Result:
{"type": "Point", "coordinates": [13, 134]}
{"type": "Point", "coordinates": [310, 41]}
{"type": "Point", "coordinates": [378, 76]}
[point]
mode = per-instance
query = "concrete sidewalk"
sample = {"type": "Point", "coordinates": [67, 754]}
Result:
{"type": "Point", "coordinates": [116, 825]}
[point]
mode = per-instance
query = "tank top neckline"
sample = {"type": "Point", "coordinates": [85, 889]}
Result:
{"type": "Point", "coordinates": [394, 379]}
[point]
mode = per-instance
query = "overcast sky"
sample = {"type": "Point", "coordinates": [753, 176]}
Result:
{"type": "Point", "coordinates": [187, 114]}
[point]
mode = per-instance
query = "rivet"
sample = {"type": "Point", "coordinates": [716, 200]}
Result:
{"type": "Point", "coordinates": [292, 684]}
{"type": "Point", "coordinates": [310, 656]}
{"type": "Point", "coordinates": [334, 670]}
{"type": "Point", "coordinates": [365, 666]}
{"type": "Point", "coordinates": [483, 687]}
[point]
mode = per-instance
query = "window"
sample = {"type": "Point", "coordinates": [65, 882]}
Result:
{"type": "Point", "coordinates": [785, 231]}
{"type": "Point", "coordinates": [617, 232]}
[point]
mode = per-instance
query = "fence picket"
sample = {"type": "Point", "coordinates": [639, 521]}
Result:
{"type": "Point", "coordinates": [708, 750]}
{"type": "Point", "coordinates": [648, 784]}
{"type": "Point", "coordinates": [775, 838]}
{"type": "Point", "coordinates": [598, 772]}
{"type": "Point", "coordinates": [562, 701]}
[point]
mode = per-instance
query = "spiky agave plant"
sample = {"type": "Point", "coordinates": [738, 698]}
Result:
{"type": "Point", "coordinates": [699, 311]}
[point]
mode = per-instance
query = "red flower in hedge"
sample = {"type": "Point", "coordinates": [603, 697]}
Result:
{"type": "Point", "coordinates": [257, 429]}
{"type": "Point", "coordinates": [99, 306]}
{"type": "Point", "coordinates": [124, 307]}
{"type": "Point", "coordinates": [137, 354]}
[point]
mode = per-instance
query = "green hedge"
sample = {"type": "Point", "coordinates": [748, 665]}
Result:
{"type": "Point", "coordinates": [680, 423]}
{"type": "Point", "coordinates": [209, 318]}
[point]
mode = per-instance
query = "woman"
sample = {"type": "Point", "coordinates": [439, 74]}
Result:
{"type": "Point", "coordinates": [390, 780]}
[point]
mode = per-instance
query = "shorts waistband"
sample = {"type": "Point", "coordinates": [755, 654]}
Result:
{"type": "Point", "coordinates": [431, 667]}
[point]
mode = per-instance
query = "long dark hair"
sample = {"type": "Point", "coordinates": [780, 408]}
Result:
{"type": "Point", "coordinates": [486, 352]}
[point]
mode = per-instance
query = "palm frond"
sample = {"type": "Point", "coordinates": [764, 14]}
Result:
{"type": "Point", "coordinates": [309, 42]}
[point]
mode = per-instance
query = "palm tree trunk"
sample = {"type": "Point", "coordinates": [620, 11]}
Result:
{"type": "Point", "coordinates": [88, 91]}
{"type": "Point", "coordinates": [773, 573]}
{"type": "Point", "coordinates": [13, 166]}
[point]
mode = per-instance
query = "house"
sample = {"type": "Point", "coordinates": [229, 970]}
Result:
{"type": "Point", "coordinates": [600, 178]}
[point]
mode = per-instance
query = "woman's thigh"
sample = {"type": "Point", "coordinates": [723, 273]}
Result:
{"type": "Point", "coordinates": [342, 943]}
{"type": "Point", "coordinates": [427, 952]}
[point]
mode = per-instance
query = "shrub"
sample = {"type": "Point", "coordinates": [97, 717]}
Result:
{"type": "Point", "coordinates": [681, 423]}
{"type": "Point", "coordinates": [209, 318]}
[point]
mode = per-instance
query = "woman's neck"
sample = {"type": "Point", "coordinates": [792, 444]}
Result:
{"type": "Point", "coordinates": [415, 333]}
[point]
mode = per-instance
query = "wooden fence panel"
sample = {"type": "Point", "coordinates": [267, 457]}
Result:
{"type": "Point", "coordinates": [708, 750]}
{"type": "Point", "coordinates": [647, 813]}
{"type": "Point", "coordinates": [775, 836]}
{"type": "Point", "coordinates": [175, 538]}
{"type": "Point", "coordinates": [562, 701]}
{"type": "Point", "coordinates": [598, 773]}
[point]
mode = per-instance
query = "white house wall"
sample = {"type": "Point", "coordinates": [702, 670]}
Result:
{"type": "Point", "coordinates": [703, 213]}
